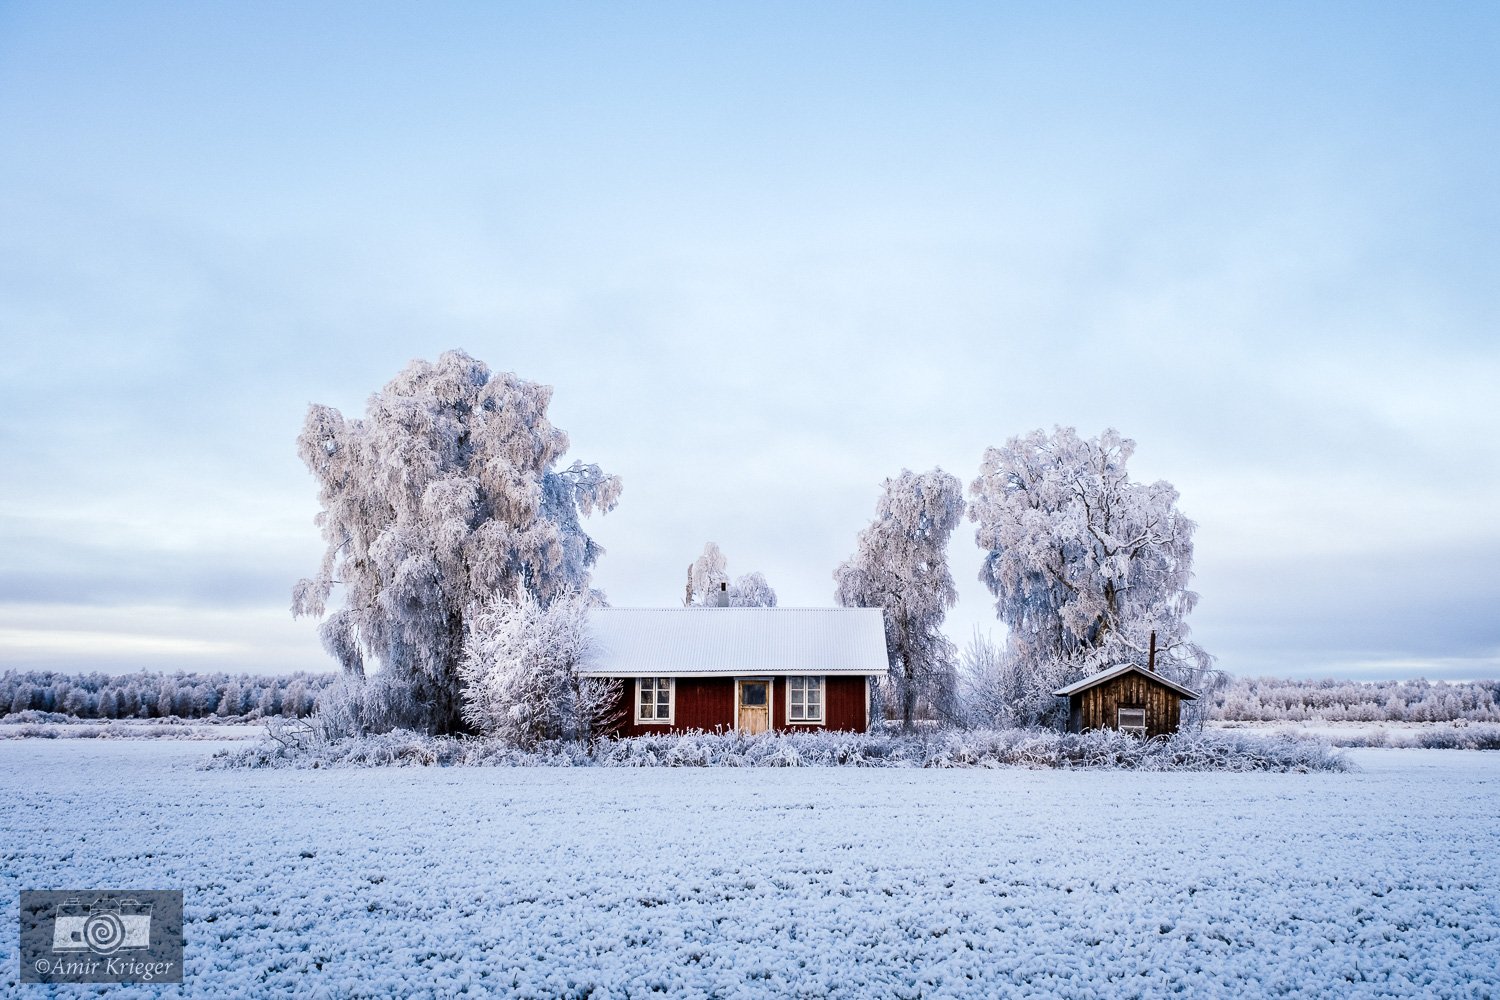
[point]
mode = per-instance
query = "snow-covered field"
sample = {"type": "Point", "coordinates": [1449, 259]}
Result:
{"type": "Point", "coordinates": [1376, 734]}
{"type": "Point", "coordinates": [777, 882]}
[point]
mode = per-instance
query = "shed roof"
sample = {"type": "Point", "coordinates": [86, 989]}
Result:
{"type": "Point", "coordinates": [1117, 671]}
{"type": "Point", "coordinates": [635, 642]}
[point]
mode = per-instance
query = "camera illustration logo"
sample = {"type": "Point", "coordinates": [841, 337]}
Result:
{"type": "Point", "coordinates": [101, 935]}
{"type": "Point", "coordinates": [104, 927]}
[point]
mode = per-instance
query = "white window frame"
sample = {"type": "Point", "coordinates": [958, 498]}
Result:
{"type": "Point", "coordinates": [653, 719]}
{"type": "Point", "coordinates": [822, 717]}
{"type": "Point", "coordinates": [1139, 730]}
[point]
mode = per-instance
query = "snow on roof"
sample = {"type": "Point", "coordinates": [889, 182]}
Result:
{"type": "Point", "coordinates": [1124, 668]}
{"type": "Point", "coordinates": [634, 642]}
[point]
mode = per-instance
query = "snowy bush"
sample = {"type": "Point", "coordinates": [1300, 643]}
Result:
{"type": "Point", "coordinates": [1377, 737]}
{"type": "Point", "coordinates": [73, 729]}
{"type": "Point", "coordinates": [996, 691]}
{"type": "Point", "coordinates": [1460, 738]}
{"type": "Point", "coordinates": [1031, 748]}
{"type": "Point", "coordinates": [33, 716]}
{"type": "Point", "coordinates": [356, 705]}
{"type": "Point", "coordinates": [520, 673]}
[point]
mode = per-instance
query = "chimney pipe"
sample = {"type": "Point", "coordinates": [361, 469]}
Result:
{"type": "Point", "coordinates": [1151, 662]}
{"type": "Point", "coordinates": [720, 597]}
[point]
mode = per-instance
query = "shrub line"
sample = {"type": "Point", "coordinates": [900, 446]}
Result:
{"type": "Point", "coordinates": [1025, 748]}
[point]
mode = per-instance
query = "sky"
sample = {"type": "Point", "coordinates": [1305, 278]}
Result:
{"type": "Point", "coordinates": [768, 255]}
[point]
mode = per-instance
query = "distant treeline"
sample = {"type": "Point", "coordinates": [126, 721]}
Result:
{"type": "Point", "coordinates": [198, 696]}
{"type": "Point", "coordinates": [1275, 699]}
{"type": "Point", "coordinates": [156, 696]}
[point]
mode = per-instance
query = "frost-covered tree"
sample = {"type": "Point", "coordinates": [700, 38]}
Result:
{"type": "Point", "coordinates": [520, 672]}
{"type": "Point", "coordinates": [900, 565]}
{"type": "Point", "coordinates": [297, 701]}
{"type": "Point", "coordinates": [78, 703]}
{"type": "Point", "coordinates": [705, 576]}
{"type": "Point", "coordinates": [443, 495]}
{"type": "Point", "coordinates": [230, 702]}
{"type": "Point", "coordinates": [750, 590]}
{"type": "Point", "coordinates": [1084, 563]}
{"type": "Point", "coordinates": [991, 686]}
{"type": "Point", "coordinates": [708, 576]}
{"type": "Point", "coordinates": [357, 706]}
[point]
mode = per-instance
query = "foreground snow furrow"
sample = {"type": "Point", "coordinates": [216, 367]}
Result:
{"type": "Point", "coordinates": [798, 882]}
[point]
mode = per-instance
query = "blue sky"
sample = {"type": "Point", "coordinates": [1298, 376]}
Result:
{"type": "Point", "coordinates": [768, 254]}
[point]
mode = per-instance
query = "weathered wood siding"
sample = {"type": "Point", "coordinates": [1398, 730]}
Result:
{"type": "Point", "coordinates": [1098, 707]}
{"type": "Point", "coordinates": [707, 703]}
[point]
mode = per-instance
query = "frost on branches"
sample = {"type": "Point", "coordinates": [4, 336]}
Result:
{"type": "Point", "coordinates": [994, 692]}
{"type": "Point", "coordinates": [445, 494]}
{"type": "Point", "coordinates": [900, 565]}
{"type": "Point", "coordinates": [710, 570]}
{"type": "Point", "coordinates": [520, 673]}
{"type": "Point", "coordinates": [1084, 564]}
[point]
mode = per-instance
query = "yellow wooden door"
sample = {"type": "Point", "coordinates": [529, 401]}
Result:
{"type": "Point", "coordinates": [755, 707]}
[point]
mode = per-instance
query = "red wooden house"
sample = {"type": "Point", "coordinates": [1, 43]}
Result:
{"type": "Point", "coordinates": [746, 669]}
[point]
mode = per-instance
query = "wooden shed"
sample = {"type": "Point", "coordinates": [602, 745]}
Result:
{"type": "Point", "coordinates": [742, 669]}
{"type": "Point", "coordinates": [1130, 698]}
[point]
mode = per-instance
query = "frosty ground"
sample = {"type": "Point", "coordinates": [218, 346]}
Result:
{"type": "Point", "coordinates": [777, 882]}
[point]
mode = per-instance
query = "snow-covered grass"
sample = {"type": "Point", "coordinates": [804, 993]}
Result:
{"type": "Point", "coordinates": [1456, 735]}
{"type": "Point", "coordinates": [837, 882]}
{"type": "Point", "coordinates": [56, 726]}
{"type": "Point", "coordinates": [1035, 748]}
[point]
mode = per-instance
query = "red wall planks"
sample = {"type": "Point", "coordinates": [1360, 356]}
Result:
{"type": "Point", "coordinates": [707, 703]}
{"type": "Point", "coordinates": [844, 706]}
{"type": "Point", "coordinates": [702, 703]}
{"type": "Point", "coordinates": [848, 701]}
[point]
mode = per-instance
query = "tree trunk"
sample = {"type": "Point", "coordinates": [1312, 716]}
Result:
{"type": "Point", "coordinates": [908, 695]}
{"type": "Point", "coordinates": [447, 717]}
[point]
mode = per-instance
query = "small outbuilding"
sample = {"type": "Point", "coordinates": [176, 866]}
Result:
{"type": "Point", "coordinates": [744, 669]}
{"type": "Point", "coordinates": [1130, 698]}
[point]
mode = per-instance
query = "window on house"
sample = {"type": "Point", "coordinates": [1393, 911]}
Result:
{"type": "Point", "coordinates": [804, 699]}
{"type": "Point", "coordinates": [1133, 720]}
{"type": "Point", "coordinates": [653, 701]}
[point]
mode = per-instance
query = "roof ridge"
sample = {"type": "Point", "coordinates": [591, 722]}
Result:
{"type": "Point", "coordinates": [699, 607]}
{"type": "Point", "coordinates": [1099, 677]}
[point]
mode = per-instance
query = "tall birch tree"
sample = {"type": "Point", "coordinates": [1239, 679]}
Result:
{"type": "Point", "coordinates": [445, 494]}
{"type": "Point", "coordinates": [900, 565]}
{"type": "Point", "coordinates": [1085, 563]}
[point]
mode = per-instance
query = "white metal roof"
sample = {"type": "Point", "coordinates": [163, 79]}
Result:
{"type": "Point", "coordinates": [1124, 668]}
{"type": "Point", "coordinates": [637, 642]}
